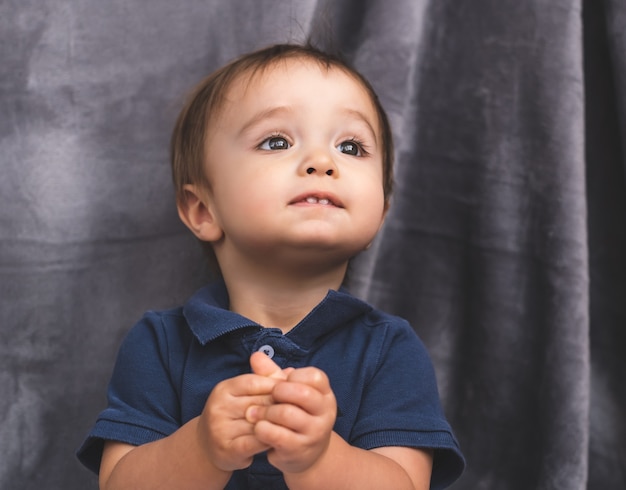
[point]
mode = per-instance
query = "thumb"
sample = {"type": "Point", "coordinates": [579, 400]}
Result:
{"type": "Point", "coordinates": [262, 365]}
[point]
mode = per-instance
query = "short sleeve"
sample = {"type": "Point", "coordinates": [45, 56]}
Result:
{"type": "Point", "coordinates": [143, 404]}
{"type": "Point", "coordinates": [401, 405]}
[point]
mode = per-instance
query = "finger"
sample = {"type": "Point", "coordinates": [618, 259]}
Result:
{"type": "Point", "coordinates": [285, 415]}
{"type": "Point", "coordinates": [245, 385]}
{"type": "Point", "coordinates": [313, 377]}
{"type": "Point", "coordinates": [262, 365]}
{"type": "Point", "coordinates": [254, 413]}
{"type": "Point", "coordinates": [240, 404]}
{"type": "Point", "coordinates": [275, 435]}
{"type": "Point", "coordinates": [309, 399]}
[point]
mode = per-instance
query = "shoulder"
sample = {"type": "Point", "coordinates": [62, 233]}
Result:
{"type": "Point", "coordinates": [397, 355]}
{"type": "Point", "coordinates": [158, 323]}
{"type": "Point", "coordinates": [157, 333]}
{"type": "Point", "coordinates": [382, 344]}
{"type": "Point", "coordinates": [380, 318]}
{"type": "Point", "coordinates": [396, 331]}
{"type": "Point", "coordinates": [380, 330]}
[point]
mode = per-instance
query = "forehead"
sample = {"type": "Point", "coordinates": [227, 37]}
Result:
{"type": "Point", "coordinates": [298, 77]}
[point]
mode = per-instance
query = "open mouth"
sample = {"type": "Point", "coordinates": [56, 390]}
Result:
{"type": "Point", "coordinates": [317, 199]}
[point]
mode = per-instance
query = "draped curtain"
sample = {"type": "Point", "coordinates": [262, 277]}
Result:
{"type": "Point", "coordinates": [504, 248]}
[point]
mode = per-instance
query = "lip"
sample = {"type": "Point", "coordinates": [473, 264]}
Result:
{"type": "Point", "coordinates": [305, 198]}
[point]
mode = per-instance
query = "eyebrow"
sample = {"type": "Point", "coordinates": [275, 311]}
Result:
{"type": "Point", "coordinates": [283, 109]}
{"type": "Point", "coordinates": [264, 114]}
{"type": "Point", "coordinates": [362, 117]}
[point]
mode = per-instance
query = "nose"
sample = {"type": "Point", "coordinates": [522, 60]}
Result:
{"type": "Point", "coordinates": [320, 163]}
{"type": "Point", "coordinates": [312, 170]}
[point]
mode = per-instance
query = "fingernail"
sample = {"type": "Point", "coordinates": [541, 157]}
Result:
{"type": "Point", "coordinates": [251, 414]}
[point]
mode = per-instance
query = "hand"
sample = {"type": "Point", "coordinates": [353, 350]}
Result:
{"type": "Point", "coordinates": [225, 435]}
{"type": "Point", "coordinates": [297, 427]}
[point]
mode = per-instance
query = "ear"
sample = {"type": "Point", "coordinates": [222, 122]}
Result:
{"type": "Point", "coordinates": [196, 211]}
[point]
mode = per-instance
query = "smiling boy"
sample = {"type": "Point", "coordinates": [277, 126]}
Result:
{"type": "Point", "coordinates": [282, 166]}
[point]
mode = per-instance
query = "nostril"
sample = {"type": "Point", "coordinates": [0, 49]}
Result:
{"type": "Point", "coordinates": [310, 170]}
{"type": "Point", "coordinates": [329, 171]}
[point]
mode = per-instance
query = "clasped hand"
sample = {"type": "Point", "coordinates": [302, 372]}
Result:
{"type": "Point", "coordinates": [290, 413]}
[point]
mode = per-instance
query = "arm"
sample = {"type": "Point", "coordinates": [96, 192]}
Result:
{"type": "Point", "coordinates": [201, 454]}
{"type": "Point", "coordinates": [345, 467]}
{"type": "Point", "coordinates": [174, 462]}
{"type": "Point", "coordinates": [298, 427]}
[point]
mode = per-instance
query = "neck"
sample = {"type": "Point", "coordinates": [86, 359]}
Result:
{"type": "Point", "coordinates": [278, 298]}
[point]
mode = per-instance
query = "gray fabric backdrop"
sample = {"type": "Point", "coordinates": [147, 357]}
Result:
{"type": "Point", "coordinates": [505, 246]}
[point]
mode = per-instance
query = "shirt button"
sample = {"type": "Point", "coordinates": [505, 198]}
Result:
{"type": "Point", "coordinates": [268, 350]}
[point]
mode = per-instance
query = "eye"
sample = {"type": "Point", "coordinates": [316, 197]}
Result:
{"type": "Point", "coordinates": [350, 147]}
{"type": "Point", "coordinates": [275, 143]}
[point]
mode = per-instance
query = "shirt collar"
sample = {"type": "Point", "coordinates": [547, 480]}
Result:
{"type": "Point", "coordinates": [208, 315]}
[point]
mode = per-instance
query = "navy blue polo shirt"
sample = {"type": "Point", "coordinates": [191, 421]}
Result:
{"type": "Point", "coordinates": [378, 368]}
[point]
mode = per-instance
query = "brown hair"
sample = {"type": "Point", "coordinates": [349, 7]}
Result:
{"type": "Point", "coordinates": [187, 147]}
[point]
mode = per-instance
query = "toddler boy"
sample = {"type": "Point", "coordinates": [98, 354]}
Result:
{"type": "Point", "coordinates": [274, 376]}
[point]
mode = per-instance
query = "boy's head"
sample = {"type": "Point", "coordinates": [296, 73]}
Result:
{"type": "Point", "coordinates": [199, 133]}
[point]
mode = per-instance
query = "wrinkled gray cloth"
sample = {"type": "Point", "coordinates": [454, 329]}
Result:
{"type": "Point", "coordinates": [505, 245]}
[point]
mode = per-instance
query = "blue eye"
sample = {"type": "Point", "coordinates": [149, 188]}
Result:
{"type": "Point", "coordinates": [350, 148]}
{"type": "Point", "coordinates": [275, 143]}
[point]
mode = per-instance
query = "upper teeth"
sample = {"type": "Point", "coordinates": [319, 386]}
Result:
{"type": "Point", "coordinates": [315, 200]}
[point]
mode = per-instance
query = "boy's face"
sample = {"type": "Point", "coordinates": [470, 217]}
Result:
{"type": "Point", "coordinates": [294, 162]}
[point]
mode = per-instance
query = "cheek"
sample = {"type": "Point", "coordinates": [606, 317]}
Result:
{"type": "Point", "coordinates": [373, 200]}
{"type": "Point", "coordinates": [371, 186]}
{"type": "Point", "coordinates": [252, 193]}
{"type": "Point", "coordinates": [376, 211]}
